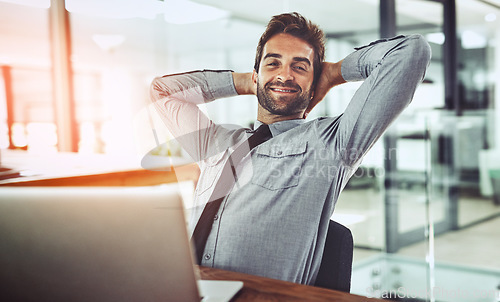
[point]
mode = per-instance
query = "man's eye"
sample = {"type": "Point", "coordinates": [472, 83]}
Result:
{"type": "Point", "coordinates": [300, 68]}
{"type": "Point", "coordinates": [272, 64]}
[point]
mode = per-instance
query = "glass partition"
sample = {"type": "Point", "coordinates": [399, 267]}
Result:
{"type": "Point", "coordinates": [477, 135]}
{"type": "Point", "coordinates": [427, 223]}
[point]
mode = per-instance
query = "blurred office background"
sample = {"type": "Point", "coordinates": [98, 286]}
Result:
{"type": "Point", "coordinates": [424, 207]}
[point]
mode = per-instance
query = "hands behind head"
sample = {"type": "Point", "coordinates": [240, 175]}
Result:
{"type": "Point", "coordinates": [331, 76]}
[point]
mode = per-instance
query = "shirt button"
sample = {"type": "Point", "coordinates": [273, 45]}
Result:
{"type": "Point", "coordinates": [216, 217]}
{"type": "Point", "coordinates": [208, 256]}
{"type": "Point", "coordinates": [279, 153]}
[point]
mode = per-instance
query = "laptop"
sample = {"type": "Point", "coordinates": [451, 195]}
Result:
{"type": "Point", "coordinates": [99, 244]}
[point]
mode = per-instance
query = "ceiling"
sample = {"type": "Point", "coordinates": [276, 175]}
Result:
{"type": "Point", "coordinates": [24, 34]}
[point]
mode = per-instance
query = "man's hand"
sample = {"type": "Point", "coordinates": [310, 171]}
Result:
{"type": "Point", "coordinates": [331, 76]}
{"type": "Point", "coordinates": [243, 83]}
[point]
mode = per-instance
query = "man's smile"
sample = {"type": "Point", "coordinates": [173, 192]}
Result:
{"type": "Point", "coordinates": [284, 90]}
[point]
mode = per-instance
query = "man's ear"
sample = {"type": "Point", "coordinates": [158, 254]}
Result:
{"type": "Point", "coordinates": [254, 77]}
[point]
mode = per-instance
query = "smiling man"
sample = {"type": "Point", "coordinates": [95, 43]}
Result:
{"type": "Point", "coordinates": [265, 197]}
{"type": "Point", "coordinates": [284, 81]}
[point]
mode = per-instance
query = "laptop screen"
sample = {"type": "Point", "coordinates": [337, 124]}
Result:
{"type": "Point", "coordinates": [95, 244]}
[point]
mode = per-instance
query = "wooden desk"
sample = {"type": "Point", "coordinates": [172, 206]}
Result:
{"type": "Point", "coordinates": [72, 169]}
{"type": "Point", "coordinates": [264, 289]}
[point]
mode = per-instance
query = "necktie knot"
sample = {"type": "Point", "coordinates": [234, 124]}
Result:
{"type": "Point", "coordinates": [262, 134]}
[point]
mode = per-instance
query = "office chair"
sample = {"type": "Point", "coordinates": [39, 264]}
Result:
{"type": "Point", "coordinates": [336, 266]}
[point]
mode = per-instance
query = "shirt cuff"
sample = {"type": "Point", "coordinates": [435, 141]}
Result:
{"type": "Point", "coordinates": [220, 83]}
{"type": "Point", "coordinates": [350, 67]}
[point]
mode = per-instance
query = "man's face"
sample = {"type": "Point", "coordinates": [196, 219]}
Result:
{"type": "Point", "coordinates": [284, 81]}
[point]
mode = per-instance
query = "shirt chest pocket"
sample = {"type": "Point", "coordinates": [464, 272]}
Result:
{"type": "Point", "coordinates": [210, 172]}
{"type": "Point", "coordinates": [278, 166]}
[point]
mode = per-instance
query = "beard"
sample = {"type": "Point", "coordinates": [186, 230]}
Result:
{"type": "Point", "coordinates": [284, 105]}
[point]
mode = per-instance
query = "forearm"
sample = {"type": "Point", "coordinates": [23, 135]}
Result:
{"type": "Point", "coordinates": [334, 72]}
{"type": "Point", "coordinates": [243, 83]}
{"type": "Point", "coordinates": [331, 76]}
{"type": "Point", "coordinates": [196, 87]}
{"type": "Point", "coordinates": [410, 52]}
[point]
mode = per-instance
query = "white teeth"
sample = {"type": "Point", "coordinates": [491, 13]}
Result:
{"type": "Point", "coordinates": [282, 90]}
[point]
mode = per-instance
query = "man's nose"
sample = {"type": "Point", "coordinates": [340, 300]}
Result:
{"type": "Point", "coordinates": [285, 74]}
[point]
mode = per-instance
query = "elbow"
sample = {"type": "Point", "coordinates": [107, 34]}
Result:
{"type": "Point", "coordinates": [420, 51]}
{"type": "Point", "coordinates": [157, 89]}
{"type": "Point", "coordinates": [154, 90]}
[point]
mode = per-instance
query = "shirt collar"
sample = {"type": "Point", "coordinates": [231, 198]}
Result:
{"type": "Point", "coordinates": [280, 127]}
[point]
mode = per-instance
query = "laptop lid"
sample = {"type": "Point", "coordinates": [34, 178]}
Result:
{"type": "Point", "coordinates": [95, 244]}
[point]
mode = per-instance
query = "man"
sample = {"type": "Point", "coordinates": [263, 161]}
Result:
{"type": "Point", "coordinates": [273, 217]}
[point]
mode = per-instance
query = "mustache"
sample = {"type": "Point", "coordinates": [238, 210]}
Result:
{"type": "Point", "coordinates": [288, 84]}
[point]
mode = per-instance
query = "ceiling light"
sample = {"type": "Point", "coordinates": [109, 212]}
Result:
{"type": "Point", "coordinates": [32, 3]}
{"type": "Point", "coordinates": [436, 38]}
{"type": "Point", "coordinates": [175, 11]}
{"type": "Point", "coordinates": [116, 9]}
{"type": "Point", "coordinates": [471, 39]}
{"type": "Point", "coordinates": [185, 12]}
{"type": "Point", "coordinates": [108, 42]}
{"type": "Point", "coordinates": [491, 17]}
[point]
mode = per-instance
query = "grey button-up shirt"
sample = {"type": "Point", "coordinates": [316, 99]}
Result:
{"type": "Point", "coordinates": [274, 221]}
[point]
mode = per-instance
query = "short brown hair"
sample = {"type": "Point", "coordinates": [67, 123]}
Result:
{"type": "Point", "coordinates": [296, 25]}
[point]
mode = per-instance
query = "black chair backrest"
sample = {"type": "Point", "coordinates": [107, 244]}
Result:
{"type": "Point", "coordinates": [336, 265]}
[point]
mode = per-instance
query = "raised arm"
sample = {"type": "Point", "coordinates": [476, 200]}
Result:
{"type": "Point", "coordinates": [176, 98]}
{"type": "Point", "coordinates": [391, 69]}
